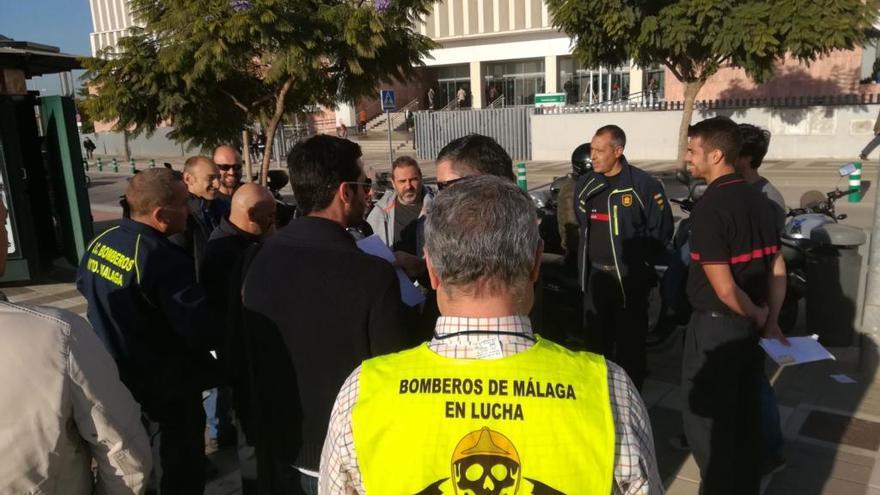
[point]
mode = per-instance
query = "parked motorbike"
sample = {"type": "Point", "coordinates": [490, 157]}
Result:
{"type": "Point", "coordinates": [800, 240]}
{"type": "Point", "coordinates": [674, 307]}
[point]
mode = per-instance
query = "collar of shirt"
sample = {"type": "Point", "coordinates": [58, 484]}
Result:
{"type": "Point", "coordinates": [465, 346]}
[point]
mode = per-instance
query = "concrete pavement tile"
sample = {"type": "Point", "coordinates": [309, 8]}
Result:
{"type": "Point", "coordinates": [683, 487]}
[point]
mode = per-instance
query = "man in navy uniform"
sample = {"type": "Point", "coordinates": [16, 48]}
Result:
{"type": "Point", "coordinates": [145, 305]}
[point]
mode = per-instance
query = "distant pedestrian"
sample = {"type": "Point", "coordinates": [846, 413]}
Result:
{"type": "Point", "coordinates": [874, 142]}
{"type": "Point", "coordinates": [461, 96]}
{"type": "Point", "coordinates": [89, 146]}
{"type": "Point", "coordinates": [341, 129]}
{"type": "Point", "coordinates": [736, 285]}
{"type": "Point", "coordinates": [314, 307]}
{"type": "Point", "coordinates": [145, 306]}
{"type": "Point", "coordinates": [430, 98]}
{"type": "Point", "coordinates": [362, 122]}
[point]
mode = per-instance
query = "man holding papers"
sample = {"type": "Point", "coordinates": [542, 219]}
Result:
{"type": "Point", "coordinates": [736, 286]}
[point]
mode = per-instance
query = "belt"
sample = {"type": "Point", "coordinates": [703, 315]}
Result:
{"type": "Point", "coordinates": [720, 314]}
{"type": "Point", "coordinates": [603, 268]}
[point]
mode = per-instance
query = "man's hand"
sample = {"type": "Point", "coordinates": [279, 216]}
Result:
{"type": "Point", "coordinates": [772, 331]}
{"type": "Point", "coordinates": [412, 265]}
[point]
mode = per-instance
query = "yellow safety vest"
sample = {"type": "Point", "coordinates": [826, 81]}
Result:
{"type": "Point", "coordinates": [537, 422]}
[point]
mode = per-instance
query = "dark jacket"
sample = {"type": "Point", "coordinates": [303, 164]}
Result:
{"type": "Point", "coordinates": [154, 319]}
{"type": "Point", "coordinates": [203, 218]}
{"type": "Point", "coordinates": [640, 220]}
{"type": "Point", "coordinates": [315, 307]}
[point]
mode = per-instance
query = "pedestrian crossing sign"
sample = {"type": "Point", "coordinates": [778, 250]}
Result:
{"type": "Point", "coordinates": [386, 96]}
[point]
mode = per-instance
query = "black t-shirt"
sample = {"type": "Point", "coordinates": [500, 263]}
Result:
{"type": "Point", "coordinates": [600, 225]}
{"type": "Point", "coordinates": [732, 224]}
{"type": "Point", "coordinates": [405, 216]}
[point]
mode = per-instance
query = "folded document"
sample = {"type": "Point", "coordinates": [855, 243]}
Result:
{"type": "Point", "coordinates": [802, 350]}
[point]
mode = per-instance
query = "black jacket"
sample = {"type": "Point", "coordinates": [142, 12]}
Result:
{"type": "Point", "coordinates": [640, 220]}
{"type": "Point", "coordinates": [154, 319]}
{"type": "Point", "coordinates": [203, 218]}
{"type": "Point", "coordinates": [315, 307]}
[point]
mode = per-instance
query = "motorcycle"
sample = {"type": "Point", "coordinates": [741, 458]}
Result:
{"type": "Point", "coordinates": [801, 238]}
{"type": "Point", "coordinates": [674, 307]}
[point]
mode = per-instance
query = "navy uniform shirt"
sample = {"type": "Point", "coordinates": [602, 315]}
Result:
{"type": "Point", "coordinates": [733, 224]}
{"type": "Point", "coordinates": [146, 307]}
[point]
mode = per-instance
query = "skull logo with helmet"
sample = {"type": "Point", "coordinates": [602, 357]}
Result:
{"type": "Point", "coordinates": [485, 462]}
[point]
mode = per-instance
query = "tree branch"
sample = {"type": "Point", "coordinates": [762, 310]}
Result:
{"type": "Point", "coordinates": [675, 72]}
{"type": "Point", "coordinates": [236, 102]}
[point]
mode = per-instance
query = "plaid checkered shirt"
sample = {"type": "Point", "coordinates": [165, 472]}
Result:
{"type": "Point", "coordinates": [635, 465]}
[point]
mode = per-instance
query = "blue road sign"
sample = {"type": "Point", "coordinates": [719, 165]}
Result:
{"type": "Point", "coordinates": [388, 101]}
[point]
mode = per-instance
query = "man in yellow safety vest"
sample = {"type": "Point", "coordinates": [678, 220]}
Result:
{"type": "Point", "coordinates": [487, 406]}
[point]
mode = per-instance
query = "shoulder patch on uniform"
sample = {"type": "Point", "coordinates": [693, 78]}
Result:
{"type": "Point", "coordinates": [626, 200]}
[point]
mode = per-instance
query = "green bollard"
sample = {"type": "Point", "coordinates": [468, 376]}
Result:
{"type": "Point", "coordinates": [85, 165]}
{"type": "Point", "coordinates": [131, 165]}
{"type": "Point", "coordinates": [100, 165]}
{"type": "Point", "coordinates": [855, 184]}
{"type": "Point", "coordinates": [152, 163]}
{"type": "Point", "coordinates": [521, 176]}
{"type": "Point", "coordinates": [115, 165]}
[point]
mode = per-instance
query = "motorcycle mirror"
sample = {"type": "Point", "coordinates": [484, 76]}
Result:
{"type": "Point", "coordinates": [683, 177]}
{"type": "Point", "coordinates": [847, 169]}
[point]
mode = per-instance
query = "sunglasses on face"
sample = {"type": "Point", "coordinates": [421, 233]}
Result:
{"type": "Point", "coordinates": [443, 185]}
{"type": "Point", "coordinates": [366, 184]}
{"type": "Point", "coordinates": [225, 167]}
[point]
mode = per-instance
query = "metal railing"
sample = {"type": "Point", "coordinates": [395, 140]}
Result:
{"type": "Point", "coordinates": [509, 126]}
{"type": "Point", "coordinates": [498, 103]}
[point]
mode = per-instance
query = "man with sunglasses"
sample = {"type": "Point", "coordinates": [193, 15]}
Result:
{"type": "Point", "coordinates": [228, 161]}
{"type": "Point", "coordinates": [314, 307]}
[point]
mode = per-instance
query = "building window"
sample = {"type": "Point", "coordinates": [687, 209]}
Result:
{"type": "Point", "coordinates": [584, 86]}
{"type": "Point", "coordinates": [653, 84]}
{"type": "Point", "coordinates": [870, 73]}
{"type": "Point", "coordinates": [450, 80]}
{"type": "Point", "coordinates": [518, 82]}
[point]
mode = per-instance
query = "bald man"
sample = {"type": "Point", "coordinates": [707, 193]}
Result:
{"type": "Point", "coordinates": [202, 178]}
{"type": "Point", "coordinates": [228, 161]}
{"type": "Point", "coordinates": [251, 219]}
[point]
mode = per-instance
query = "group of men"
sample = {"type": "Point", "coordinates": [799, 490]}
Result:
{"type": "Point", "coordinates": [312, 337]}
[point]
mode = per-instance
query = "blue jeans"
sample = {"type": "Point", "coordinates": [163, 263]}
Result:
{"type": "Point", "coordinates": [218, 409]}
{"type": "Point", "coordinates": [771, 429]}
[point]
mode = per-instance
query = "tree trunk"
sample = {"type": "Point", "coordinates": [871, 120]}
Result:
{"type": "Point", "coordinates": [246, 154]}
{"type": "Point", "coordinates": [691, 89]}
{"type": "Point", "coordinates": [272, 127]}
{"type": "Point", "coordinates": [126, 149]}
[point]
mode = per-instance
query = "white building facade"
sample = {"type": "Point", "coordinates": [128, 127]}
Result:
{"type": "Point", "coordinates": [111, 20]}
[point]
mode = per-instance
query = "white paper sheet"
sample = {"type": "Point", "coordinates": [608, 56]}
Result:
{"type": "Point", "coordinates": [802, 350]}
{"type": "Point", "coordinates": [409, 293]}
{"type": "Point", "coordinates": [841, 378]}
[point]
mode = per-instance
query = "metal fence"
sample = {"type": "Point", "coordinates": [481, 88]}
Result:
{"type": "Point", "coordinates": [509, 126]}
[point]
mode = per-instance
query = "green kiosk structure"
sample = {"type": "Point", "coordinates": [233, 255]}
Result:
{"type": "Point", "coordinates": [42, 180]}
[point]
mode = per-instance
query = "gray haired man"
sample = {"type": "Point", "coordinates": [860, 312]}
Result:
{"type": "Point", "coordinates": [482, 385]}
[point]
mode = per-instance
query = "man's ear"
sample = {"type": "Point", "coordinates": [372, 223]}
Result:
{"type": "Point", "coordinates": [432, 275]}
{"type": "Point", "coordinates": [160, 216]}
{"type": "Point", "coordinates": [345, 192]}
{"type": "Point", "coordinates": [716, 156]}
{"type": "Point", "coordinates": [536, 267]}
{"type": "Point", "coordinates": [188, 178]}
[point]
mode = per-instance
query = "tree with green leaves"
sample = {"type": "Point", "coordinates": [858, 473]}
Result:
{"type": "Point", "coordinates": [694, 38]}
{"type": "Point", "coordinates": [211, 68]}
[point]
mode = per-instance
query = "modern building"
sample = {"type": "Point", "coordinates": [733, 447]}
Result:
{"type": "Point", "coordinates": [111, 19]}
{"type": "Point", "coordinates": [506, 51]}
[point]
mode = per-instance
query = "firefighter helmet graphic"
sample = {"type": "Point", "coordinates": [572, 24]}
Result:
{"type": "Point", "coordinates": [485, 462]}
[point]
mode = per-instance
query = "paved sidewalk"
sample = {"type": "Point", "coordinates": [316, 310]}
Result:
{"type": "Point", "coordinates": [832, 430]}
